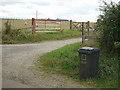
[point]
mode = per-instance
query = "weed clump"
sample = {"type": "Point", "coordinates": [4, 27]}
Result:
{"type": "Point", "coordinates": [7, 27]}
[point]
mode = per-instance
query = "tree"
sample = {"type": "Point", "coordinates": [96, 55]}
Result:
{"type": "Point", "coordinates": [109, 25]}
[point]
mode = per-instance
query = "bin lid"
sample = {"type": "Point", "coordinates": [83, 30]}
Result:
{"type": "Point", "coordinates": [89, 49]}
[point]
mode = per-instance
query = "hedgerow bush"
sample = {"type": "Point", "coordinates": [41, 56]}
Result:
{"type": "Point", "coordinates": [109, 28]}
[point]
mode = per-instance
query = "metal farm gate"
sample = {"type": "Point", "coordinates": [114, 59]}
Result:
{"type": "Point", "coordinates": [45, 24]}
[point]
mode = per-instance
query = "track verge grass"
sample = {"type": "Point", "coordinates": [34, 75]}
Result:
{"type": "Point", "coordinates": [66, 61]}
{"type": "Point", "coordinates": [15, 37]}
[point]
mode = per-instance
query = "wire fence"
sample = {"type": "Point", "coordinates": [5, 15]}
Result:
{"type": "Point", "coordinates": [22, 24]}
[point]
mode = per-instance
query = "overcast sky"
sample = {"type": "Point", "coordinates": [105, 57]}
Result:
{"type": "Point", "coordinates": [76, 10]}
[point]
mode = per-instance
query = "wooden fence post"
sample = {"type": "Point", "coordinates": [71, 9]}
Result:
{"type": "Point", "coordinates": [70, 24]}
{"type": "Point", "coordinates": [83, 38]}
{"type": "Point", "coordinates": [88, 25]}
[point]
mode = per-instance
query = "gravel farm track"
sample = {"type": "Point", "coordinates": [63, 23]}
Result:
{"type": "Point", "coordinates": [18, 58]}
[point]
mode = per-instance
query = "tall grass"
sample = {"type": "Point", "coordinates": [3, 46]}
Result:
{"type": "Point", "coordinates": [25, 37]}
{"type": "Point", "coordinates": [66, 61]}
{"type": "Point", "coordinates": [65, 58]}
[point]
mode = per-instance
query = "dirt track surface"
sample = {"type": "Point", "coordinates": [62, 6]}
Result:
{"type": "Point", "coordinates": [17, 59]}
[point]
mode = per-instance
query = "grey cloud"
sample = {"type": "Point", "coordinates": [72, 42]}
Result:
{"type": "Point", "coordinates": [62, 2]}
{"type": "Point", "coordinates": [77, 10]}
{"type": "Point", "coordinates": [83, 10]}
{"type": "Point", "coordinates": [9, 3]}
{"type": "Point", "coordinates": [4, 11]}
{"type": "Point", "coordinates": [13, 2]}
{"type": "Point", "coordinates": [32, 5]}
{"type": "Point", "coordinates": [41, 3]}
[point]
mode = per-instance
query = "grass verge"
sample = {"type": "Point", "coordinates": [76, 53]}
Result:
{"type": "Point", "coordinates": [21, 37]}
{"type": "Point", "coordinates": [66, 61]}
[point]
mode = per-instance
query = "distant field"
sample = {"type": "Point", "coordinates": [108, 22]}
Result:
{"type": "Point", "coordinates": [21, 23]}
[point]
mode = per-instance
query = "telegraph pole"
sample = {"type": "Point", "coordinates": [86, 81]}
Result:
{"type": "Point", "coordinates": [36, 14]}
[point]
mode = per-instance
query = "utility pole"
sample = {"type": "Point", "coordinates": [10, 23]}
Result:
{"type": "Point", "coordinates": [36, 14]}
